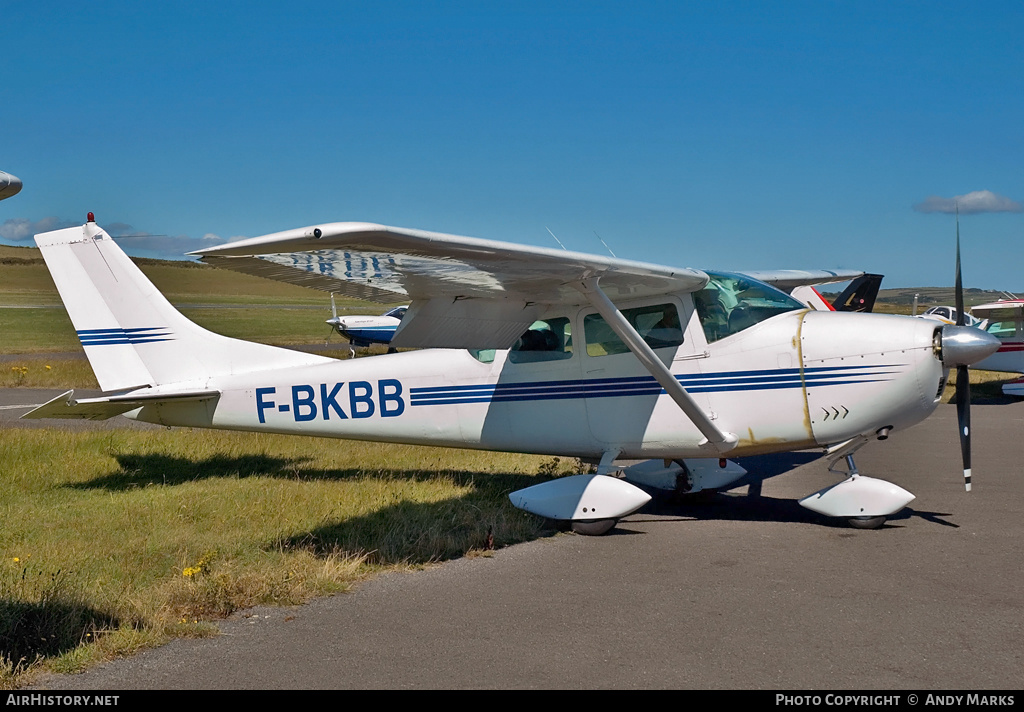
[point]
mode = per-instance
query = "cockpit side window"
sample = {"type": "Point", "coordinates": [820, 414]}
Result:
{"type": "Point", "coordinates": [545, 340]}
{"type": "Point", "coordinates": [483, 355]}
{"type": "Point", "coordinates": [658, 325]}
{"type": "Point", "coordinates": [1002, 330]}
{"type": "Point", "coordinates": [731, 303]}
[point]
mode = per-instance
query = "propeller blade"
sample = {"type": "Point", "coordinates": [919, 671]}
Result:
{"type": "Point", "coordinates": [963, 377]}
{"type": "Point", "coordinates": [963, 418]}
{"type": "Point", "coordinates": [334, 309]}
{"type": "Point", "coordinates": [959, 288]}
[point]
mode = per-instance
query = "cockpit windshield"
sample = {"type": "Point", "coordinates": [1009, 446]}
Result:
{"type": "Point", "coordinates": [730, 303]}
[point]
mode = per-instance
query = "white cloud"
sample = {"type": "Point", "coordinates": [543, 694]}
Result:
{"type": "Point", "coordinates": [135, 242]}
{"type": "Point", "coordinates": [172, 247]}
{"type": "Point", "coordinates": [978, 201]}
{"type": "Point", "coordinates": [22, 229]}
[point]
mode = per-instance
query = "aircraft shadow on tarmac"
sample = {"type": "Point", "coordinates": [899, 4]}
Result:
{"type": "Point", "coordinates": [724, 506]}
{"type": "Point", "coordinates": [735, 505]}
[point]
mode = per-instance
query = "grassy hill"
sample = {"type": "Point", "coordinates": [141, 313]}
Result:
{"type": "Point", "coordinates": [274, 312]}
{"type": "Point", "coordinates": [901, 300]}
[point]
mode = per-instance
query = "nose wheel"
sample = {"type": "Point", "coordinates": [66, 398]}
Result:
{"type": "Point", "coordinates": [866, 522]}
{"type": "Point", "coordinates": [594, 528]}
{"type": "Point", "coordinates": [863, 502]}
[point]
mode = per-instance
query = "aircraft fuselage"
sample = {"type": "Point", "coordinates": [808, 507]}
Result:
{"type": "Point", "coordinates": [832, 376]}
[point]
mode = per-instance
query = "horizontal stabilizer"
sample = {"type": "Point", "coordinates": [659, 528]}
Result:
{"type": "Point", "coordinates": [65, 406]}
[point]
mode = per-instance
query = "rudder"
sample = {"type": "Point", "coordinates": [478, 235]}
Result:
{"type": "Point", "coordinates": [132, 336]}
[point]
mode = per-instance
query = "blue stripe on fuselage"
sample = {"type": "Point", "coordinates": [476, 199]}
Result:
{"type": "Point", "coordinates": [773, 379]}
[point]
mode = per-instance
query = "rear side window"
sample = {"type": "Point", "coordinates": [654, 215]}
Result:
{"type": "Point", "coordinates": [1002, 329]}
{"type": "Point", "coordinates": [658, 325]}
{"type": "Point", "coordinates": [545, 340]}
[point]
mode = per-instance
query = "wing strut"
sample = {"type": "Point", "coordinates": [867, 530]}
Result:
{"type": "Point", "coordinates": [719, 441]}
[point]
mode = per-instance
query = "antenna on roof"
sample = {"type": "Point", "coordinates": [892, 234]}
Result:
{"type": "Point", "coordinates": [556, 239]}
{"type": "Point", "coordinates": [605, 245]}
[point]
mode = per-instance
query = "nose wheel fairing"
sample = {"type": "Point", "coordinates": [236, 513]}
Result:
{"type": "Point", "coordinates": [858, 497]}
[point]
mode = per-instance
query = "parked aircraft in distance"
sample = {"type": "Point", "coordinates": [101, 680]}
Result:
{"type": "Point", "coordinates": [947, 315]}
{"type": "Point", "coordinates": [1004, 320]}
{"type": "Point", "coordinates": [9, 185]}
{"type": "Point", "coordinates": [859, 295]}
{"type": "Point", "coordinates": [530, 350]}
{"type": "Point", "coordinates": [366, 330]}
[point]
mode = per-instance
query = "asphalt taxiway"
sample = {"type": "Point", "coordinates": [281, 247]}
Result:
{"type": "Point", "coordinates": [736, 592]}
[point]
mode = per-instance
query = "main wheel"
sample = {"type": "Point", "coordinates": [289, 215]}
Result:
{"type": "Point", "coordinates": [594, 528]}
{"type": "Point", "coordinates": [867, 522]}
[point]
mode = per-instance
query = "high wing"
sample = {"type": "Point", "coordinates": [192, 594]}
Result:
{"type": "Point", "coordinates": [465, 292]}
{"type": "Point", "coordinates": [787, 279]}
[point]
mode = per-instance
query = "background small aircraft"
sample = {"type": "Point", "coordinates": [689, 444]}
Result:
{"type": "Point", "coordinates": [9, 185]}
{"type": "Point", "coordinates": [859, 295]}
{"type": "Point", "coordinates": [948, 315]}
{"type": "Point", "coordinates": [1004, 320]}
{"type": "Point", "coordinates": [365, 330]}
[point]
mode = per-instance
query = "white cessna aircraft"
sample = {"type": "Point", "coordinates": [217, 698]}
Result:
{"type": "Point", "coordinates": [558, 353]}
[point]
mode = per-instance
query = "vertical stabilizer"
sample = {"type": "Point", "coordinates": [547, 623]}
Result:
{"type": "Point", "coordinates": [131, 334]}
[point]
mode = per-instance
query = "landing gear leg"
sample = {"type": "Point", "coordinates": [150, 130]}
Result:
{"type": "Point", "coordinates": [684, 480]}
{"type": "Point", "coordinates": [873, 521]}
{"type": "Point", "coordinates": [859, 522]}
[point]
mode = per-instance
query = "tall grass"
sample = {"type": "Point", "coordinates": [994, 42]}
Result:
{"type": "Point", "coordinates": [47, 373]}
{"type": "Point", "coordinates": [114, 540]}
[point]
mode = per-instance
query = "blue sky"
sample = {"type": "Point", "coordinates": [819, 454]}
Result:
{"type": "Point", "coordinates": [725, 135]}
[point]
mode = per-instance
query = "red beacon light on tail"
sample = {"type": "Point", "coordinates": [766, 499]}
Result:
{"type": "Point", "coordinates": [90, 218]}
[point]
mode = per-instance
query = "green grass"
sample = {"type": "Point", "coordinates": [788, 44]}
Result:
{"type": "Point", "coordinates": [245, 307]}
{"type": "Point", "coordinates": [118, 539]}
{"type": "Point", "coordinates": [25, 331]}
{"type": "Point", "coordinates": [34, 331]}
{"type": "Point", "coordinates": [47, 373]}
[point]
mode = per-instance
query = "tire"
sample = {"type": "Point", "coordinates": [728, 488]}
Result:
{"type": "Point", "coordinates": [594, 528]}
{"type": "Point", "coordinates": [866, 522]}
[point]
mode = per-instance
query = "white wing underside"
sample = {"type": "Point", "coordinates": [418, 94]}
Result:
{"type": "Point", "coordinates": [787, 279]}
{"type": "Point", "coordinates": [465, 292]}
